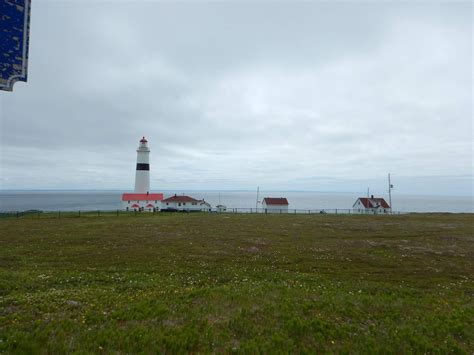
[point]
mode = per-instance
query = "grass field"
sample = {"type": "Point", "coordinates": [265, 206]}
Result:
{"type": "Point", "coordinates": [245, 283]}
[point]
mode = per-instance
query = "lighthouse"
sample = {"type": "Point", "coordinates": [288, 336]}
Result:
{"type": "Point", "coordinates": [142, 174]}
{"type": "Point", "coordinates": [142, 199]}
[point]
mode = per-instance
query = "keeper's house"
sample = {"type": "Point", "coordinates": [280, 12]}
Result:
{"type": "Point", "coordinates": [142, 202]}
{"type": "Point", "coordinates": [184, 203]}
{"type": "Point", "coordinates": [370, 205]}
{"type": "Point", "coordinates": [275, 205]}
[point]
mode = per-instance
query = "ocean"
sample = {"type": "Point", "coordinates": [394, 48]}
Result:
{"type": "Point", "coordinates": [307, 200]}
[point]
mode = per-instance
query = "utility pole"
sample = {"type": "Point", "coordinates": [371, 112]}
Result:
{"type": "Point", "coordinates": [390, 187]}
{"type": "Point", "coordinates": [256, 203]}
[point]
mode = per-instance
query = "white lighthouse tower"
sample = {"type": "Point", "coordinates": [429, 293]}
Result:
{"type": "Point", "coordinates": [142, 175]}
{"type": "Point", "coordinates": [142, 199]}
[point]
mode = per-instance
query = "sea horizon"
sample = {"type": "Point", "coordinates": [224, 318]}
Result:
{"type": "Point", "coordinates": [440, 194]}
{"type": "Point", "coordinates": [90, 199]}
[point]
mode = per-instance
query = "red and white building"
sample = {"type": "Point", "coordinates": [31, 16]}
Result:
{"type": "Point", "coordinates": [142, 202]}
{"type": "Point", "coordinates": [371, 205]}
{"type": "Point", "coordinates": [275, 205]}
{"type": "Point", "coordinates": [184, 203]}
{"type": "Point", "coordinates": [141, 199]}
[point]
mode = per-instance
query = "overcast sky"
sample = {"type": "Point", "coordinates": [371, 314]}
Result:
{"type": "Point", "coordinates": [324, 96]}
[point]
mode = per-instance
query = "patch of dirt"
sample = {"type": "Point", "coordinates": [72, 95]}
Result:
{"type": "Point", "coordinates": [252, 250]}
{"type": "Point", "coordinates": [9, 310]}
{"type": "Point", "coordinates": [219, 252]}
{"type": "Point", "coordinates": [216, 319]}
{"type": "Point", "coordinates": [417, 249]}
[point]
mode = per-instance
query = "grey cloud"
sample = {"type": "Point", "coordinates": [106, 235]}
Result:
{"type": "Point", "coordinates": [240, 93]}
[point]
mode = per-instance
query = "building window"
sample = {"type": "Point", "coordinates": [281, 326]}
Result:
{"type": "Point", "coordinates": [167, 204]}
{"type": "Point", "coordinates": [184, 203]}
{"type": "Point", "coordinates": [128, 201]}
{"type": "Point", "coordinates": [179, 204]}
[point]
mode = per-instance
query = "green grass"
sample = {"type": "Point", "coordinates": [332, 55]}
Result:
{"type": "Point", "coordinates": [245, 283]}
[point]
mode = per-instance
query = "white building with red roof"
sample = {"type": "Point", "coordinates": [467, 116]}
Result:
{"type": "Point", "coordinates": [275, 205]}
{"type": "Point", "coordinates": [184, 203]}
{"type": "Point", "coordinates": [141, 199]}
{"type": "Point", "coordinates": [371, 205]}
{"type": "Point", "coordinates": [142, 202]}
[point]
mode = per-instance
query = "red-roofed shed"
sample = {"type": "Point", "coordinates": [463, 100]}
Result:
{"type": "Point", "coordinates": [275, 201]}
{"type": "Point", "coordinates": [275, 205]}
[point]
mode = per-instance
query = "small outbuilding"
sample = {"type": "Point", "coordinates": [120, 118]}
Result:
{"type": "Point", "coordinates": [221, 208]}
{"type": "Point", "coordinates": [370, 205]}
{"type": "Point", "coordinates": [275, 205]}
{"type": "Point", "coordinates": [205, 206]}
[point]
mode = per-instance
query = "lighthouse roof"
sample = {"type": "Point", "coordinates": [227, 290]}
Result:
{"type": "Point", "coordinates": [143, 140]}
{"type": "Point", "coordinates": [141, 197]}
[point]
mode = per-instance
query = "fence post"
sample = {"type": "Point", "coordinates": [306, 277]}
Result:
{"type": "Point", "coordinates": [336, 210]}
{"type": "Point", "coordinates": [59, 214]}
{"type": "Point", "coordinates": [295, 210]}
{"type": "Point", "coordinates": [117, 213]}
{"type": "Point", "coordinates": [17, 214]}
{"type": "Point", "coordinates": [98, 213]}
{"type": "Point", "coordinates": [309, 211]}
{"type": "Point", "coordinates": [79, 214]}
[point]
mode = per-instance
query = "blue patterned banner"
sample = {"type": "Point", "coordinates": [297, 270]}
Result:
{"type": "Point", "coordinates": [14, 37]}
